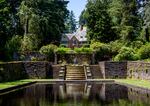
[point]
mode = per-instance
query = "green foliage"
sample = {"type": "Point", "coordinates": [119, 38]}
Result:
{"type": "Point", "coordinates": [9, 24]}
{"type": "Point", "coordinates": [126, 53]}
{"type": "Point", "coordinates": [136, 44]}
{"type": "Point", "coordinates": [62, 50]}
{"type": "Point", "coordinates": [102, 51]}
{"type": "Point", "coordinates": [83, 50]}
{"type": "Point", "coordinates": [96, 45]}
{"type": "Point", "coordinates": [13, 45]}
{"type": "Point", "coordinates": [44, 18]}
{"type": "Point", "coordinates": [98, 21]}
{"type": "Point", "coordinates": [115, 47]}
{"type": "Point", "coordinates": [22, 57]}
{"type": "Point", "coordinates": [146, 19]}
{"type": "Point", "coordinates": [62, 45]}
{"type": "Point", "coordinates": [127, 33]}
{"type": "Point", "coordinates": [82, 18]}
{"type": "Point", "coordinates": [70, 23]}
{"type": "Point", "coordinates": [35, 59]}
{"type": "Point", "coordinates": [86, 45]}
{"type": "Point", "coordinates": [30, 43]}
{"type": "Point", "coordinates": [48, 50]}
{"type": "Point", "coordinates": [116, 10]}
{"type": "Point", "coordinates": [144, 51]}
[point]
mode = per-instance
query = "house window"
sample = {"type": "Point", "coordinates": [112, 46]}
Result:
{"type": "Point", "coordinates": [74, 42]}
{"type": "Point", "coordinates": [81, 36]}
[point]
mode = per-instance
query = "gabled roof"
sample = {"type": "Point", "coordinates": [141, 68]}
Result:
{"type": "Point", "coordinates": [79, 34]}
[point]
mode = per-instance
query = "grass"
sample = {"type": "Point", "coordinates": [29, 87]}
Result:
{"type": "Point", "coordinates": [14, 83]}
{"type": "Point", "coordinates": [135, 82]}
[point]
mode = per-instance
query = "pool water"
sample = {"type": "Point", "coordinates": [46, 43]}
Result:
{"type": "Point", "coordinates": [77, 94]}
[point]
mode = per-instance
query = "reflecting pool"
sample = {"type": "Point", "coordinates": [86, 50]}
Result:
{"type": "Point", "coordinates": [77, 94]}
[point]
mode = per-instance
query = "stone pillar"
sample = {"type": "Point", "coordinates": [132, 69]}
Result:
{"type": "Point", "coordinates": [93, 58]}
{"type": "Point", "coordinates": [55, 62]}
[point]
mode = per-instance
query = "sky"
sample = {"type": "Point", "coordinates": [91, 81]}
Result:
{"type": "Point", "coordinates": [77, 6]}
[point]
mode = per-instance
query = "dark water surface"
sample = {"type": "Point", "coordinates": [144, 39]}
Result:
{"type": "Point", "coordinates": [77, 94]}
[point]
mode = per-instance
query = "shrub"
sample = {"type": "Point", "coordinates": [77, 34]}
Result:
{"type": "Point", "coordinates": [96, 45]}
{"type": "Point", "coordinates": [126, 53]}
{"type": "Point", "coordinates": [102, 51]}
{"type": "Point", "coordinates": [115, 47]}
{"type": "Point", "coordinates": [30, 42]}
{"type": "Point", "coordinates": [62, 50]}
{"type": "Point", "coordinates": [35, 59]}
{"type": "Point", "coordinates": [83, 50]}
{"type": "Point", "coordinates": [48, 50]}
{"type": "Point", "coordinates": [13, 45]}
{"type": "Point", "coordinates": [86, 45]}
{"type": "Point", "coordinates": [136, 44]}
{"type": "Point", "coordinates": [144, 51]}
{"type": "Point", "coordinates": [62, 45]}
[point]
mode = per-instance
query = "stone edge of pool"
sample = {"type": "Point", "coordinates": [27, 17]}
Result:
{"type": "Point", "coordinates": [11, 89]}
{"type": "Point", "coordinates": [14, 88]}
{"type": "Point", "coordinates": [130, 85]}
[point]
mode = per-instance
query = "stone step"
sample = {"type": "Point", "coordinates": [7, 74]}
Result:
{"type": "Point", "coordinates": [61, 72]}
{"type": "Point", "coordinates": [61, 75]}
{"type": "Point", "coordinates": [62, 68]}
{"type": "Point", "coordinates": [74, 72]}
{"type": "Point", "coordinates": [89, 74]}
{"type": "Point", "coordinates": [75, 78]}
{"type": "Point", "coordinates": [88, 71]}
{"type": "Point", "coordinates": [72, 75]}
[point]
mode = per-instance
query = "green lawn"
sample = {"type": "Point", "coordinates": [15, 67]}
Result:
{"type": "Point", "coordinates": [135, 82]}
{"type": "Point", "coordinates": [14, 83]}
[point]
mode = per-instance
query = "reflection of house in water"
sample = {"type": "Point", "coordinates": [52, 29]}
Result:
{"type": "Point", "coordinates": [76, 39]}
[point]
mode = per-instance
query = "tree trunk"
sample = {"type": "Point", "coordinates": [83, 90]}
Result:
{"type": "Point", "coordinates": [147, 34]}
{"type": "Point", "coordinates": [26, 26]}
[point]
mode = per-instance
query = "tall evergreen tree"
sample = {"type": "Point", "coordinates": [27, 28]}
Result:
{"type": "Point", "coordinates": [82, 19]}
{"type": "Point", "coordinates": [9, 23]}
{"type": "Point", "coordinates": [44, 18]}
{"type": "Point", "coordinates": [125, 17]}
{"type": "Point", "coordinates": [98, 21]}
{"type": "Point", "coordinates": [71, 23]}
{"type": "Point", "coordinates": [146, 19]}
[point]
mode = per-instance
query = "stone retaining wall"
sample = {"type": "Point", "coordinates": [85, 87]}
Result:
{"type": "Point", "coordinates": [96, 72]}
{"type": "Point", "coordinates": [114, 69]}
{"type": "Point", "coordinates": [139, 70]}
{"type": "Point", "coordinates": [24, 70]}
{"type": "Point", "coordinates": [37, 70]}
{"type": "Point", "coordinates": [12, 71]}
{"type": "Point", "coordinates": [130, 69]}
{"type": "Point", "coordinates": [27, 70]}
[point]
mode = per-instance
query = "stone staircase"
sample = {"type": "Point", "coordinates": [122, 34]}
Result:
{"type": "Point", "coordinates": [88, 72]}
{"type": "Point", "coordinates": [75, 72]}
{"type": "Point", "coordinates": [62, 72]}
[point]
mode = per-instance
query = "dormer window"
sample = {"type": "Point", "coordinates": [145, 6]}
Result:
{"type": "Point", "coordinates": [81, 36]}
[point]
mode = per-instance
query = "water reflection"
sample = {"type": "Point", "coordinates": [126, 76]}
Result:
{"type": "Point", "coordinates": [77, 94]}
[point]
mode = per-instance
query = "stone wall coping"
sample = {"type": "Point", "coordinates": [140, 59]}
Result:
{"type": "Point", "coordinates": [15, 62]}
{"type": "Point", "coordinates": [123, 62]}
